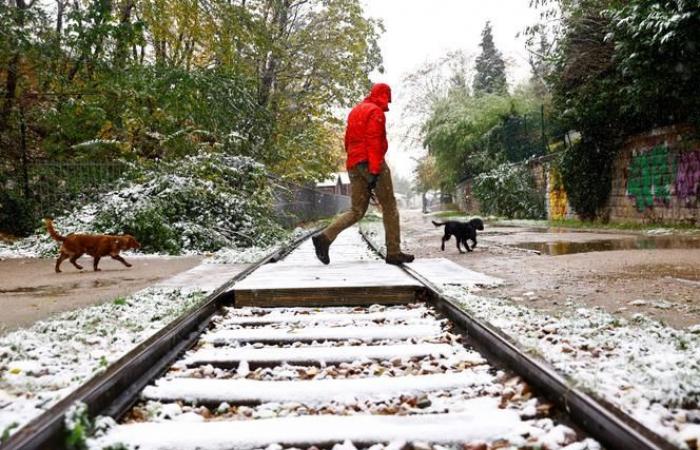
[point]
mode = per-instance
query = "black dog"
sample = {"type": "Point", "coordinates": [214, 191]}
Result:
{"type": "Point", "coordinates": [462, 232]}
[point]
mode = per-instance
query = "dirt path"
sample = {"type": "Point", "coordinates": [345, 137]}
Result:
{"type": "Point", "coordinates": [661, 283]}
{"type": "Point", "coordinates": [30, 290]}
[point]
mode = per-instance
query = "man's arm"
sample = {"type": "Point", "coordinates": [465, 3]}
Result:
{"type": "Point", "coordinates": [375, 139]}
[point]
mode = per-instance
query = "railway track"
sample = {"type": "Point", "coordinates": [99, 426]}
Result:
{"type": "Point", "coordinates": [421, 374]}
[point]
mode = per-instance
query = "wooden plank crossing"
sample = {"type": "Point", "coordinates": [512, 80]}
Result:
{"type": "Point", "coordinates": [355, 276]}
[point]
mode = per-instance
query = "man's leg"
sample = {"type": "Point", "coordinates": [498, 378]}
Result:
{"type": "Point", "coordinates": [359, 195]}
{"type": "Point", "coordinates": [390, 213]}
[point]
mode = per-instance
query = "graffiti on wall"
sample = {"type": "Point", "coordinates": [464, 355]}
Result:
{"type": "Point", "coordinates": [688, 176]}
{"type": "Point", "coordinates": [558, 201]}
{"type": "Point", "coordinates": [650, 177]}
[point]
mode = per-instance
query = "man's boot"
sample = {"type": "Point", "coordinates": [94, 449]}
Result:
{"type": "Point", "coordinates": [322, 244]}
{"type": "Point", "coordinates": [399, 258]}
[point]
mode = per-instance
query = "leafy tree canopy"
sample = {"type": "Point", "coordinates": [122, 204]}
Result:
{"type": "Point", "coordinates": [147, 79]}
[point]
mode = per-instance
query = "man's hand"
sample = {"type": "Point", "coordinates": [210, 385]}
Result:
{"type": "Point", "coordinates": [372, 182]}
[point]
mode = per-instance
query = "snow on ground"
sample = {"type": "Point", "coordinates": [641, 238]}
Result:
{"type": "Point", "coordinates": [42, 364]}
{"type": "Point", "coordinates": [649, 370]}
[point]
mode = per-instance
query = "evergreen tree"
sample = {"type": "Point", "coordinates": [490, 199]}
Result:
{"type": "Point", "coordinates": [490, 75]}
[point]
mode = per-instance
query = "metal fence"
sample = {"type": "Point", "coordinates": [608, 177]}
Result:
{"type": "Point", "coordinates": [50, 188]}
{"type": "Point", "coordinates": [296, 204]}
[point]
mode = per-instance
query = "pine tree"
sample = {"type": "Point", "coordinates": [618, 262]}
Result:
{"type": "Point", "coordinates": [490, 75]}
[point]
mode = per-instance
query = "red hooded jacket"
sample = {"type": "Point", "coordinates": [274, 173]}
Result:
{"type": "Point", "coordinates": [365, 136]}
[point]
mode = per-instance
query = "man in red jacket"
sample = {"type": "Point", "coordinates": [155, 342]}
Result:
{"type": "Point", "coordinates": [366, 145]}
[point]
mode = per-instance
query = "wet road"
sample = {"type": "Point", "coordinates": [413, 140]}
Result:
{"type": "Point", "coordinates": [30, 290]}
{"type": "Point", "coordinates": [624, 273]}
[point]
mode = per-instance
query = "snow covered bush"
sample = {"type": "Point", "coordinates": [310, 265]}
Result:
{"type": "Point", "coordinates": [509, 190]}
{"type": "Point", "coordinates": [198, 203]}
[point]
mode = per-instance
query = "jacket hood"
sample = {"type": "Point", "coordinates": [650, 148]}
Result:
{"type": "Point", "coordinates": [380, 95]}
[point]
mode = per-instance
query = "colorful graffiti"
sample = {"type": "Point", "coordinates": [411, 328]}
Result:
{"type": "Point", "coordinates": [650, 177]}
{"type": "Point", "coordinates": [688, 176]}
{"type": "Point", "coordinates": [556, 195]}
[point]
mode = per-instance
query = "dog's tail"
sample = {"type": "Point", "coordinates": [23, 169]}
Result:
{"type": "Point", "coordinates": [438, 224]}
{"type": "Point", "coordinates": [52, 232]}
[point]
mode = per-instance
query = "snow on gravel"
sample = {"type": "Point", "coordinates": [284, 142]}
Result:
{"type": "Point", "coordinates": [289, 334]}
{"type": "Point", "coordinates": [309, 392]}
{"type": "Point", "coordinates": [649, 370]}
{"type": "Point", "coordinates": [330, 315]}
{"type": "Point", "coordinates": [485, 422]}
{"type": "Point", "coordinates": [326, 355]}
{"type": "Point", "coordinates": [446, 396]}
{"type": "Point", "coordinates": [44, 363]}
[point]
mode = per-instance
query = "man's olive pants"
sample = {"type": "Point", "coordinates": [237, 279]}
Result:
{"type": "Point", "coordinates": [359, 185]}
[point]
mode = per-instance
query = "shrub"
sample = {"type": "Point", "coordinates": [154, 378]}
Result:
{"type": "Point", "coordinates": [198, 204]}
{"type": "Point", "coordinates": [509, 190]}
{"type": "Point", "coordinates": [586, 172]}
{"type": "Point", "coordinates": [15, 214]}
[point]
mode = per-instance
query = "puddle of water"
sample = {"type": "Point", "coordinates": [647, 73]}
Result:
{"type": "Point", "coordinates": [49, 291]}
{"type": "Point", "coordinates": [557, 248]}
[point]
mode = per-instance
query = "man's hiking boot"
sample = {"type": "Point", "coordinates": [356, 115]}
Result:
{"type": "Point", "coordinates": [399, 258]}
{"type": "Point", "coordinates": [322, 244]}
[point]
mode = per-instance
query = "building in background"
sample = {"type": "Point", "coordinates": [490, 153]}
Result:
{"type": "Point", "coordinates": [337, 183]}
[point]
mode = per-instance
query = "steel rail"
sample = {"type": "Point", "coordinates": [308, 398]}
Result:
{"type": "Point", "coordinates": [609, 425]}
{"type": "Point", "coordinates": [114, 391]}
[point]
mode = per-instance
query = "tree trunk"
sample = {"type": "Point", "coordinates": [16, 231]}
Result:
{"type": "Point", "coordinates": [121, 52]}
{"type": "Point", "coordinates": [280, 18]}
{"type": "Point", "coordinates": [13, 71]}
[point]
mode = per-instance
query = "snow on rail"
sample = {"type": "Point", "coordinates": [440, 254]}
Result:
{"type": "Point", "coordinates": [308, 391]}
{"type": "Point", "coordinates": [328, 355]}
{"type": "Point", "coordinates": [479, 419]}
{"type": "Point", "coordinates": [322, 334]}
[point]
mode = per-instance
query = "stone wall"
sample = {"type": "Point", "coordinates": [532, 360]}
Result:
{"type": "Point", "coordinates": [656, 178]}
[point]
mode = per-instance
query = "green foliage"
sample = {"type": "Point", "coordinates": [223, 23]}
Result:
{"type": "Point", "coordinates": [427, 178]}
{"type": "Point", "coordinates": [159, 112]}
{"type": "Point", "coordinates": [467, 135]}
{"type": "Point", "coordinates": [509, 190]}
{"type": "Point", "coordinates": [657, 57]}
{"type": "Point", "coordinates": [152, 232]}
{"type": "Point", "coordinates": [145, 80]}
{"type": "Point", "coordinates": [586, 170]}
{"type": "Point", "coordinates": [78, 426]}
{"type": "Point", "coordinates": [620, 68]}
{"type": "Point", "coordinates": [7, 432]}
{"type": "Point", "coordinates": [15, 217]}
{"type": "Point", "coordinates": [201, 203]}
{"type": "Point", "coordinates": [490, 75]}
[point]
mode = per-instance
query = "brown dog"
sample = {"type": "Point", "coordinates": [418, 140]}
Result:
{"type": "Point", "coordinates": [74, 246]}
